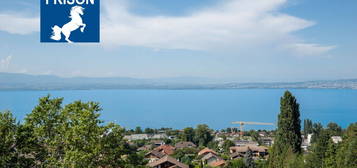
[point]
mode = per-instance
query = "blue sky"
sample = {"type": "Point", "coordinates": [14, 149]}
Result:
{"type": "Point", "coordinates": [230, 40]}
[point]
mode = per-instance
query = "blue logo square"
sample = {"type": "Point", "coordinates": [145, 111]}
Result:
{"type": "Point", "coordinates": [70, 21]}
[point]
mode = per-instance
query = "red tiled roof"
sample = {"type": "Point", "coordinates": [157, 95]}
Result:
{"type": "Point", "coordinates": [206, 150]}
{"type": "Point", "coordinates": [170, 160]}
{"type": "Point", "coordinates": [217, 163]}
{"type": "Point", "coordinates": [166, 149]}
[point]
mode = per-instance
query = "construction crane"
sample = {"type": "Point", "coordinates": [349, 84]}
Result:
{"type": "Point", "coordinates": [242, 123]}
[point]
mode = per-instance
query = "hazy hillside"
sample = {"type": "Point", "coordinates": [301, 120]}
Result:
{"type": "Point", "coordinates": [13, 81]}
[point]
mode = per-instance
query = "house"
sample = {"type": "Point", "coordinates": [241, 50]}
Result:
{"type": "Point", "coordinates": [181, 145]}
{"type": "Point", "coordinates": [205, 151]}
{"type": "Point", "coordinates": [306, 142]}
{"type": "Point", "coordinates": [245, 143]}
{"type": "Point", "coordinates": [157, 143]}
{"type": "Point", "coordinates": [154, 155]}
{"type": "Point", "coordinates": [134, 137]}
{"type": "Point", "coordinates": [267, 141]}
{"type": "Point", "coordinates": [210, 158]}
{"type": "Point", "coordinates": [239, 151]}
{"type": "Point", "coordinates": [167, 162]}
{"type": "Point", "coordinates": [220, 163]}
{"type": "Point", "coordinates": [145, 148]}
{"type": "Point", "coordinates": [336, 139]}
{"type": "Point", "coordinates": [165, 149]}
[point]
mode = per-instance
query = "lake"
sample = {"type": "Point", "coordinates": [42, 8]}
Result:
{"type": "Point", "coordinates": [183, 108]}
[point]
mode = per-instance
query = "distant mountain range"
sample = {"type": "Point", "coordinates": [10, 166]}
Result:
{"type": "Point", "coordinates": [14, 81]}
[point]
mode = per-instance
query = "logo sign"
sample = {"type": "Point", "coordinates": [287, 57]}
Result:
{"type": "Point", "coordinates": [70, 21]}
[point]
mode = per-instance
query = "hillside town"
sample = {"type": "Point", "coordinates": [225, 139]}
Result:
{"type": "Point", "coordinates": [167, 148]}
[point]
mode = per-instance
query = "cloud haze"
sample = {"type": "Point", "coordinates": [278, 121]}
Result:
{"type": "Point", "coordinates": [233, 24]}
{"type": "Point", "coordinates": [18, 24]}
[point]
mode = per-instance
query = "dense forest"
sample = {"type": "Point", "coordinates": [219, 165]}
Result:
{"type": "Point", "coordinates": [73, 135]}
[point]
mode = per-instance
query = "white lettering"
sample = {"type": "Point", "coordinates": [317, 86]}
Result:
{"type": "Point", "coordinates": [71, 2]}
{"type": "Point", "coordinates": [80, 2]}
{"type": "Point", "coordinates": [59, 1]}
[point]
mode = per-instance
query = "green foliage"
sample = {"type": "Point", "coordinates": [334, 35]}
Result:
{"type": "Point", "coordinates": [308, 127]}
{"type": "Point", "coordinates": [203, 135]}
{"type": "Point", "coordinates": [319, 149]}
{"type": "Point", "coordinates": [188, 134]}
{"type": "Point", "coordinates": [288, 135]}
{"type": "Point", "coordinates": [248, 159]}
{"type": "Point", "coordinates": [70, 136]}
{"type": "Point", "coordinates": [138, 130]}
{"type": "Point", "coordinates": [236, 163]}
{"type": "Point", "coordinates": [329, 160]}
{"type": "Point", "coordinates": [185, 155]}
{"type": "Point", "coordinates": [334, 129]}
{"type": "Point", "coordinates": [7, 139]}
{"type": "Point", "coordinates": [317, 129]}
{"type": "Point", "coordinates": [347, 151]}
{"type": "Point", "coordinates": [227, 144]}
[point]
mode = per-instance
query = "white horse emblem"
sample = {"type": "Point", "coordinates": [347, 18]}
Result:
{"type": "Point", "coordinates": [74, 24]}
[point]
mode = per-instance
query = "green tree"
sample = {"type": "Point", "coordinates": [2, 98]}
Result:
{"type": "Point", "coordinates": [330, 155]}
{"type": "Point", "coordinates": [316, 131]}
{"type": "Point", "coordinates": [288, 135]}
{"type": "Point", "coordinates": [149, 131]}
{"type": "Point", "coordinates": [319, 149]}
{"type": "Point", "coordinates": [44, 124]}
{"type": "Point", "coordinates": [347, 150]}
{"type": "Point", "coordinates": [203, 135]}
{"type": "Point", "coordinates": [138, 130]}
{"type": "Point", "coordinates": [334, 129]}
{"type": "Point", "coordinates": [188, 134]}
{"type": "Point", "coordinates": [308, 127]}
{"type": "Point", "coordinates": [8, 128]}
{"type": "Point", "coordinates": [248, 159]}
{"type": "Point", "coordinates": [226, 145]}
{"type": "Point", "coordinates": [236, 163]}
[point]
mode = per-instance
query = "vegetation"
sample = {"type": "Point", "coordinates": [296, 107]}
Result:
{"type": "Point", "coordinates": [288, 135]}
{"type": "Point", "coordinates": [64, 136]}
{"type": "Point", "coordinates": [57, 135]}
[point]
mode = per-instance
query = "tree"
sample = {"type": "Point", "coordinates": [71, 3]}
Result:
{"type": "Point", "coordinates": [138, 130]}
{"type": "Point", "coordinates": [308, 127]}
{"type": "Point", "coordinates": [44, 124]}
{"type": "Point", "coordinates": [347, 150]}
{"type": "Point", "coordinates": [236, 163]}
{"type": "Point", "coordinates": [288, 135]}
{"type": "Point", "coordinates": [334, 129]}
{"type": "Point", "coordinates": [72, 136]}
{"type": "Point", "coordinates": [227, 144]}
{"type": "Point", "coordinates": [330, 155]}
{"type": "Point", "coordinates": [203, 135]}
{"type": "Point", "coordinates": [8, 128]}
{"type": "Point", "coordinates": [319, 149]}
{"type": "Point", "coordinates": [149, 131]}
{"type": "Point", "coordinates": [188, 134]}
{"type": "Point", "coordinates": [316, 131]}
{"type": "Point", "coordinates": [248, 159]}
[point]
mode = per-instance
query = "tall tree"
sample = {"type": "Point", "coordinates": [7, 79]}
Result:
{"type": "Point", "coordinates": [347, 151]}
{"type": "Point", "coordinates": [7, 139]}
{"type": "Point", "coordinates": [330, 155]}
{"type": "Point", "coordinates": [334, 129]}
{"type": "Point", "coordinates": [319, 150]}
{"type": "Point", "coordinates": [288, 135]}
{"type": "Point", "coordinates": [308, 127]}
{"type": "Point", "coordinates": [248, 159]}
{"type": "Point", "coordinates": [203, 135]}
{"type": "Point", "coordinates": [43, 123]}
{"type": "Point", "coordinates": [188, 134]}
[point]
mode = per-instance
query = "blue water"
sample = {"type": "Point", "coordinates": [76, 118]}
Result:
{"type": "Point", "coordinates": [182, 108]}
